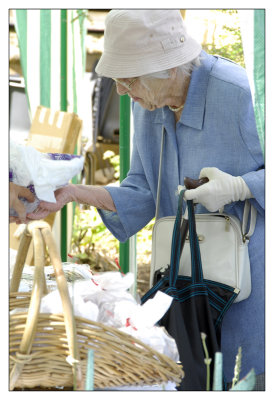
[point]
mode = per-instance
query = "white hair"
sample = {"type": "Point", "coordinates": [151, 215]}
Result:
{"type": "Point", "coordinates": [186, 69]}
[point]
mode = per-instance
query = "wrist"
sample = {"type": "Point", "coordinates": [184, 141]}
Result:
{"type": "Point", "coordinates": [243, 190]}
{"type": "Point", "coordinates": [72, 192]}
{"type": "Point", "coordinates": [95, 196]}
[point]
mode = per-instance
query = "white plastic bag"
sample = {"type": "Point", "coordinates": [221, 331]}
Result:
{"type": "Point", "coordinates": [114, 281]}
{"type": "Point", "coordinates": [52, 304]}
{"type": "Point", "coordinates": [142, 320]}
{"type": "Point", "coordinates": [42, 173]}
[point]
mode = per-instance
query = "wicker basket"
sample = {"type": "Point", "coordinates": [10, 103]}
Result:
{"type": "Point", "coordinates": [50, 350]}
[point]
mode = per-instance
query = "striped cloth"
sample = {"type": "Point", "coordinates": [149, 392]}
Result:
{"type": "Point", "coordinates": [39, 37]}
{"type": "Point", "coordinates": [53, 60]}
{"type": "Point", "coordinates": [253, 39]}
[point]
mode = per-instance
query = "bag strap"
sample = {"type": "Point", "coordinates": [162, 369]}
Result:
{"type": "Point", "coordinates": [249, 209]}
{"type": "Point", "coordinates": [160, 174]}
{"type": "Point", "coordinates": [184, 226]}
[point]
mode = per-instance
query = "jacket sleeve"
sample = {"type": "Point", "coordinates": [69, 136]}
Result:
{"type": "Point", "coordinates": [133, 200]}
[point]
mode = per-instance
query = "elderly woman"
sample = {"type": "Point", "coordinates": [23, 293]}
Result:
{"type": "Point", "coordinates": [205, 105]}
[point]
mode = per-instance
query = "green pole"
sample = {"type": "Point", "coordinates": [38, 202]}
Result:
{"type": "Point", "coordinates": [124, 148]}
{"type": "Point", "coordinates": [63, 107]}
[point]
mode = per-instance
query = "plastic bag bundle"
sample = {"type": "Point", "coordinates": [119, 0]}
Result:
{"type": "Point", "coordinates": [42, 173]}
{"type": "Point", "coordinates": [90, 296]}
{"type": "Point", "coordinates": [105, 298]}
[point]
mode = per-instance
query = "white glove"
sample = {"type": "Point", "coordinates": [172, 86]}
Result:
{"type": "Point", "coordinates": [221, 189]}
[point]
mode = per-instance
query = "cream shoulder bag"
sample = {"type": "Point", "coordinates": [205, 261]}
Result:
{"type": "Point", "coordinates": [223, 241]}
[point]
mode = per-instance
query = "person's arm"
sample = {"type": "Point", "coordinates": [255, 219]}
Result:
{"type": "Point", "coordinates": [16, 191]}
{"type": "Point", "coordinates": [124, 209]}
{"type": "Point", "coordinates": [96, 196]}
{"type": "Point", "coordinates": [223, 188]}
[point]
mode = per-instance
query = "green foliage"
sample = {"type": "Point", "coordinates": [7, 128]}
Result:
{"type": "Point", "coordinates": [237, 368]}
{"type": "Point", "coordinates": [228, 44]}
{"type": "Point", "coordinates": [114, 160]}
{"type": "Point", "coordinates": [207, 360]}
{"type": "Point", "coordinates": [144, 241]}
{"type": "Point", "coordinates": [91, 235]}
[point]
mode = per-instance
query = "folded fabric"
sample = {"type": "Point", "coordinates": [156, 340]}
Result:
{"type": "Point", "coordinates": [42, 173]}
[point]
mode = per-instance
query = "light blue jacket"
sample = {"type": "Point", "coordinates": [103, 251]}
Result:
{"type": "Point", "coordinates": [217, 129]}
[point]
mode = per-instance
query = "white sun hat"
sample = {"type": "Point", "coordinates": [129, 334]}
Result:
{"type": "Point", "coordinates": [140, 42]}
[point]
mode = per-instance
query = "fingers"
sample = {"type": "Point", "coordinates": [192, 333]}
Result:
{"type": "Point", "coordinates": [19, 207]}
{"type": "Point", "coordinates": [17, 192]}
{"type": "Point", "coordinates": [212, 173]}
{"type": "Point", "coordinates": [50, 207]}
{"type": "Point", "coordinates": [190, 194]}
{"type": "Point", "coordinates": [15, 220]}
{"type": "Point", "coordinates": [194, 194]}
{"type": "Point", "coordinates": [208, 172]}
{"type": "Point", "coordinates": [38, 214]}
{"type": "Point", "coordinates": [26, 193]}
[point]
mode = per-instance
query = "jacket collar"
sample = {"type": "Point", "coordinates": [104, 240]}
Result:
{"type": "Point", "coordinates": [194, 110]}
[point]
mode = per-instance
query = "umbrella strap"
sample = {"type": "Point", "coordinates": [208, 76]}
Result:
{"type": "Point", "coordinates": [178, 241]}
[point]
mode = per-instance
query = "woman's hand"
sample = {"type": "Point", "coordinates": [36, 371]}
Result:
{"type": "Point", "coordinates": [16, 204]}
{"type": "Point", "coordinates": [221, 189]}
{"type": "Point", "coordinates": [63, 196]}
{"type": "Point", "coordinates": [95, 196]}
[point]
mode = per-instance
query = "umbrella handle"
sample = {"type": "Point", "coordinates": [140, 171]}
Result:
{"type": "Point", "coordinates": [194, 183]}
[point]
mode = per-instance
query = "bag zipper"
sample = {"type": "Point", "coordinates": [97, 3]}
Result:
{"type": "Point", "coordinates": [230, 220]}
{"type": "Point", "coordinates": [227, 225]}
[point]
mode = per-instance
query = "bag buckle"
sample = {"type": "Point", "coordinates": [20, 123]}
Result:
{"type": "Point", "coordinates": [201, 238]}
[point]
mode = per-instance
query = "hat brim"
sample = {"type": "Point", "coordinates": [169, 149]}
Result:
{"type": "Point", "coordinates": [127, 66]}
